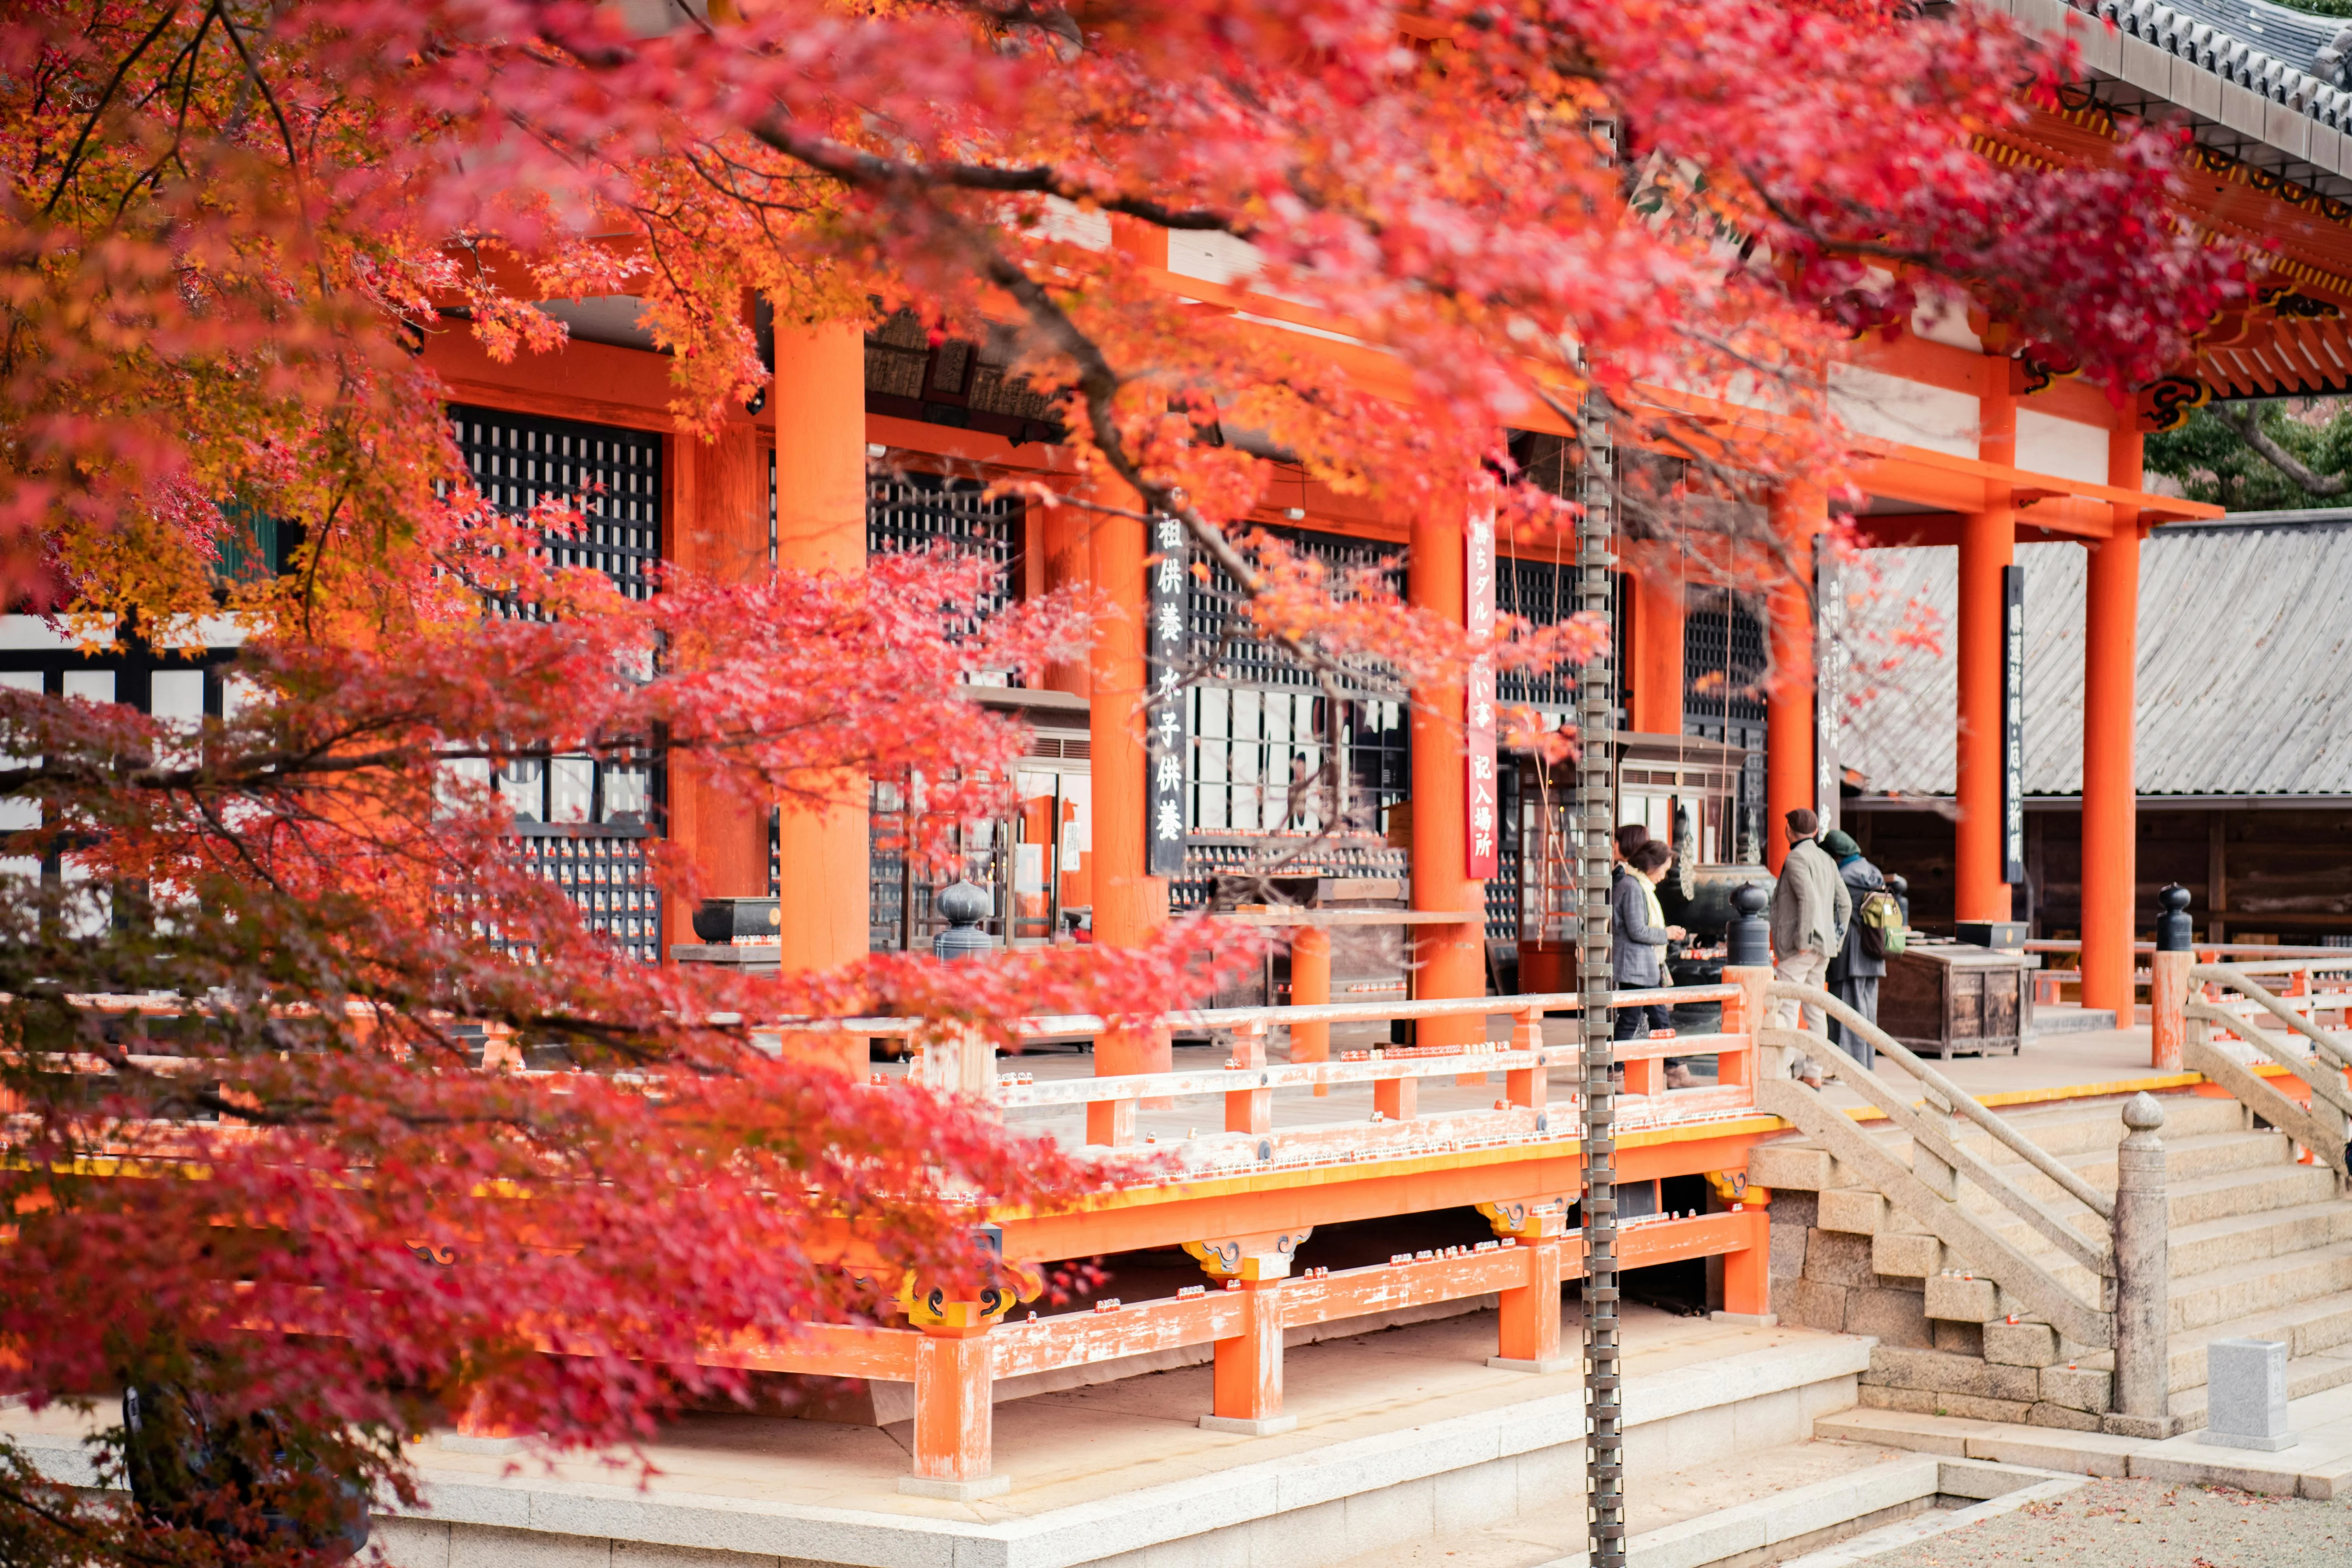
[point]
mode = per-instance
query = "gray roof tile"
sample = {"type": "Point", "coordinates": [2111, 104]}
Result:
{"type": "Point", "coordinates": [2245, 664]}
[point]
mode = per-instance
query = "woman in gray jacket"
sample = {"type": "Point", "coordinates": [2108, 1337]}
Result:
{"type": "Point", "coordinates": [1638, 935]}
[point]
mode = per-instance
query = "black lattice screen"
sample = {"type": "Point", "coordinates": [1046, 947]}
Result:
{"type": "Point", "coordinates": [605, 875]}
{"type": "Point", "coordinates": [1259, 726]}
{"type": "Point", "coordinates": [915, 512]}
{"type": "Point", "coordinates": [613, 476]}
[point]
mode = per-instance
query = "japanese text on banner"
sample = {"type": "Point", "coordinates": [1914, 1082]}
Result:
{"type": "Point", "coordinates": [1479, 794]}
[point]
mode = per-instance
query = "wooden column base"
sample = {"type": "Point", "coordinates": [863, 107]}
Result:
{"type": "Point", "coordinates": [1526, 1337]}
{"type": "Point", "coordinates": [1248, 1388]}
{"type": "Point", "coordinates": [954, 1417]}
{"type": "Point", "coordinates": [1747, 1274]}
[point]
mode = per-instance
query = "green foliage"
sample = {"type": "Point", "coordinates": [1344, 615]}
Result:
{"type": "Point", "coordinates": [2213, 463]}
{"type": "Point", "coordinates": [2320, 8]}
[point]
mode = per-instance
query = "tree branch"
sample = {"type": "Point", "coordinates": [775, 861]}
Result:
{"type": "Point", "coordinates": [854, 167]}
{"type": "Point", "coordinates": [2246, 419]}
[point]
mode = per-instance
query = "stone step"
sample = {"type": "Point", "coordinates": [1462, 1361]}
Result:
{"type": "Point", "coordinates": [2076, 1127]}
{"type": "Point", "coordinates": [2195, 1248]}
{"type": "Point", "coordinates": [2305, 1376]}
{"type": "Point", "coordinates": [2239, 1291]}
{"type": "Point", "coordinates": [2306, 1329]}
{"type": "Point", "coordinates": [1846, 1205]}
{"type": "Point", "coordinates": [2263, 1233]}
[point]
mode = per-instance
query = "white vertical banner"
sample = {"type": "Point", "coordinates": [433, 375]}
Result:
{"type": "Point", "coordinates": [2012, 725]}
{"type": "Point", "coordinates": [1479, 796]}
{"type": "Point", "coordinates": [1169, 569]}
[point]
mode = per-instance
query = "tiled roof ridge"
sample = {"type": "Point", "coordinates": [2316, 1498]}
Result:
{"type": "Point", "coordinates": [2233, 59]}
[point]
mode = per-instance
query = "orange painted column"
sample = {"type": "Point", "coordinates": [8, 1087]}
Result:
{"type": "Point", "coordinates": [1248, 1378]}
{"type": "Point", "coordinates": [720, 503]}
{"type": "Point", "coordinates": [1799, 514]}
{"type": "Point", "coordinates": [1450, 960]}
{"type": "Point", "coordinates": [819, 398]}
{"type": "Point", "coordinates": [1063, 535]}
{"type": "Point", "coordinates": [1747, 1273]}
{"type": "Point", "coordinates": [1987, 546]}
{"type": "Point", "coordinates": [1656, 664]}
{"type": "Point", "coordinates": [1526, 1325]}
{"type": "Point", "coordinates": [955, 1415]}
{"type": "Point", "coordinates": [2110, 711]}
{"type": "Point", "coordinates": [1310, 986]}
{"type": "Point", "coordinates": [1130, 906]}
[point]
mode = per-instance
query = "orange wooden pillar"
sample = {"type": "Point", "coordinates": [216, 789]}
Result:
{"type": "Point", "coordinates": [1748, 1272]}
{"type": "Point", "coordinates": [2110, 709]}
{"type": "Point", "coordinates": [1526, 1323]}
{"type": "Point", "coordinates": [1310, 986]}
{"type": "Point", "coordinates": [1450, 960]}
{"type": "Point", "coordinates": [1657, 662]}
{"type": "Point", "coordinates": [1246, 1387]}
{"type": "Point", "coordinates": [1987, 547]}
{"type": "Point", "coordinates": [819, 398]}
{"type": "Point", "coordinates": [718, 532]}
{"type": "Point", "coordinates": [1799, 514]}
{"type": "Point", "coordinates": [1130, 906]}
{"type": "Point", "coordinates": [955, 1415]}
{"type": "Point", "coordinates": [1064, 532]}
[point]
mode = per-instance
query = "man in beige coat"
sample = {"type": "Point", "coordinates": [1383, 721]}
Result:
{"type": "Point", "coordinates": [1810, 909]}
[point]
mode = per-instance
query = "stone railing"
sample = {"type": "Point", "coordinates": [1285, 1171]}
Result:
{"type": "Point", "coordinates": [2123, 1254]}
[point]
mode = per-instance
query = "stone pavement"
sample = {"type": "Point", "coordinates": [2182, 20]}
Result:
{"type": "Point", "coordinates": [2319, 1465]}
{"type": "Point", "coordinates": [2134, 1524]}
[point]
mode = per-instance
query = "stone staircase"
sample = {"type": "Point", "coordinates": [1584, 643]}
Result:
{"type": "Point", "coordinates": [2260, 1246]}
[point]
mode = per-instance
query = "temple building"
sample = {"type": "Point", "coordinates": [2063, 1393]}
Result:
{"type": "Point", "coordinates": [2129, 689]}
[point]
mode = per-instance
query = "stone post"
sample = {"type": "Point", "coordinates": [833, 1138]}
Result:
{"type": "Point", "coordinates": [2143, 1277]}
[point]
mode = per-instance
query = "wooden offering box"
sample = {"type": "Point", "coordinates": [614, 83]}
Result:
{"type": "Point", "coordinates": [1939, 997]}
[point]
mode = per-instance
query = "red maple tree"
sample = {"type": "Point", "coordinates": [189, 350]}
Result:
{"type": "Point", "coordinates": [277, 1180]}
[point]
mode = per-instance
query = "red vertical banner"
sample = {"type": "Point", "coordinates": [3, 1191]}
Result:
{"type": "Point", "coordinates": [1479, 796]}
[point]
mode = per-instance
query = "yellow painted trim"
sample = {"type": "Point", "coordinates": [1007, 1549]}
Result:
{"type": "Point", "coordinates": [2163, 1083]}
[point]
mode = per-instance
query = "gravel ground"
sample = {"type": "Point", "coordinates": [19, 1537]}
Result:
{"type": "Point", "coordinates": [2147, 1524]}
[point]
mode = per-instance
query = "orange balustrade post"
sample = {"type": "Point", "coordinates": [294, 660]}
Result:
{"type": "Point", "coordinates": [1397, 1098]}
{"type": "Point", "coordinates": [1530, 1087]}
{"type": "Point", "coordinates": [2110, 708]}
{"type": "Point", "coordinates": [819, 398]}
{"type": "Point", "coordinates": [1451, 958]}
{"type": "Point", "coordinates": [1736, 1068]}
{"type": "Point", "coordinates": [1131, 906]}
{"type": "Point", "coordinates": [1646, 1075]}
{"type": "Point", "coordinates": [1746, 1014]}
{"type": "Point", "coordinates": [1799, 514]}
{"type": "Point", "coordinates": [1310, 986]}
{"type": "Point", "coordinates": [1987, 547]}
{"type": "Point", "coordinates": [1249, 1110]}
{"type": "Point", "coordinates": [955, 1414]}
{"type": "Point", "coordinates": [2167, 1008]}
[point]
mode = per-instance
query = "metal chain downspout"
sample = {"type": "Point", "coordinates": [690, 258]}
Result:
{"type": "Point", "coordinates": [1596, 808]}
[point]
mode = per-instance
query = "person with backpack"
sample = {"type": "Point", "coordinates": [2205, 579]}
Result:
{"type": "Point", "coordinates": [1873, 935]}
